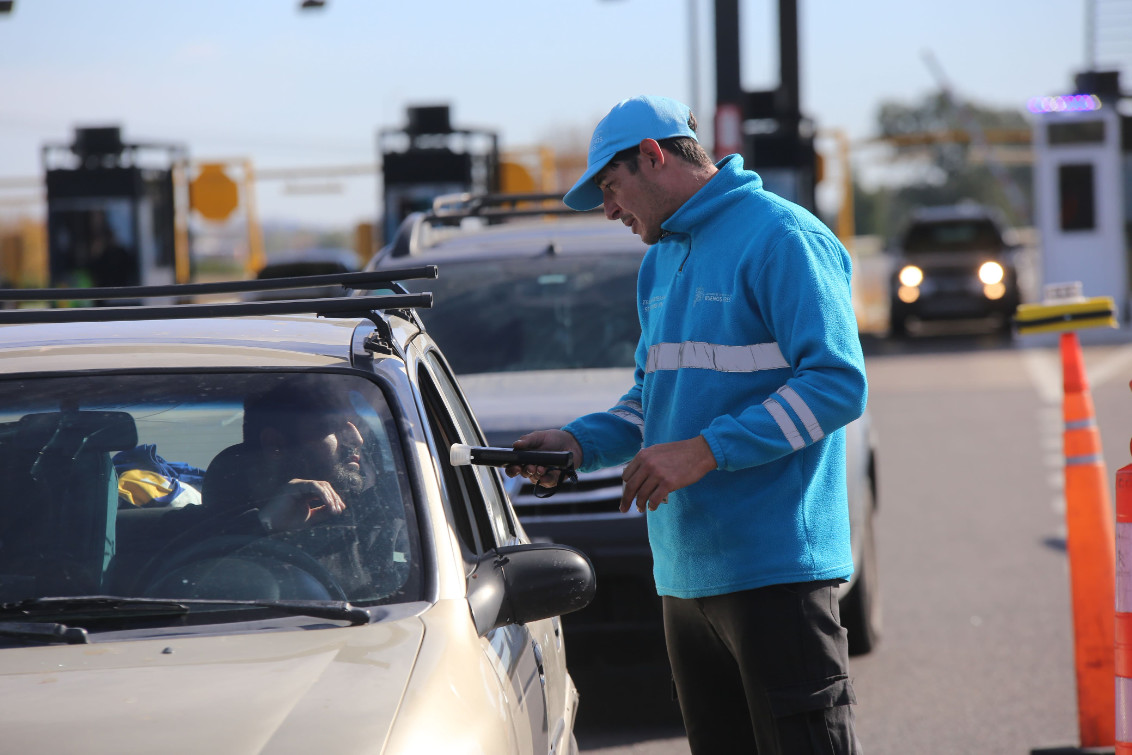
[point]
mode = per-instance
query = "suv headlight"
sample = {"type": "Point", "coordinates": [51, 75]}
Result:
{"type": "Point", "coordinates": [911, 276]}
{"type": "Point", "coordinates": [991, 273]}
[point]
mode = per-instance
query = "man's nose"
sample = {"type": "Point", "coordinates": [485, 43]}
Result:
{"type": "Point", "coordinates": [612, 210]}
{"type": "Point", "coordinates": [352, 435]}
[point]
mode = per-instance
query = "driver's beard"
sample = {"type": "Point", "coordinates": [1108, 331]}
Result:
{"type": "Point", "coordinates": [346, 481]}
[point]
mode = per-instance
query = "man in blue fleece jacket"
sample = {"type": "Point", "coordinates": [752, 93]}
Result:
{"type": "Point", "coordinates": [748, 367]}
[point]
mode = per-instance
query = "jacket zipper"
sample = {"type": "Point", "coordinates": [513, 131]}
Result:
{"type": "Point", "coordinates": [686, 256]}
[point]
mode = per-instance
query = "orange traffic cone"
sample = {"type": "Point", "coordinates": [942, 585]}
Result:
{"type": "Point", "coordinates": [1124, 610]}
{"type": "Point", "coordinates": [1091, 546]}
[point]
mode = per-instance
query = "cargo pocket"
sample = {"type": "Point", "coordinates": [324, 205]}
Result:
{"type": "Point", "coordinates": [806, 696]}
{"type": "Point", "coordinates": [815, 717]}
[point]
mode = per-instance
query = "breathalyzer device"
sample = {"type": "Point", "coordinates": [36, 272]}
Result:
{"type": "Point", "coordinates": [462, 455]}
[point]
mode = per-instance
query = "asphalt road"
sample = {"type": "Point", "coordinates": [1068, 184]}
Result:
{"type": "Point", "coordinates": [977, 653]}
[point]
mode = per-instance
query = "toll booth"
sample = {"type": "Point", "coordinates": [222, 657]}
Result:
{"type": "Point", "coordinates": [428, 158]}
{"type": "Point", "coordinates": [110, 210]}
{"type": "Point", "coordinates": [1083, 187]}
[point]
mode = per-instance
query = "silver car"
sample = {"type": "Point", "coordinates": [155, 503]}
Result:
{"type": "Point", "coordinates": [147, 604]}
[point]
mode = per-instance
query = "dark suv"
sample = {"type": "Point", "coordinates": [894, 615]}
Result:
{"type": "Point", "coordinates": [955, 263]}
{"type": "Point", "coordinates": [536, 312]}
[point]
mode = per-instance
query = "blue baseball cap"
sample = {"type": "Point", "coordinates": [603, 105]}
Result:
{"type": "Point", "coordinates": [627, 124]}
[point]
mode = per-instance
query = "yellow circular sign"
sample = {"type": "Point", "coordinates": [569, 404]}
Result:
{"type": "Point", "coordinates": [213, 194]}
{"type": "Point", "coordinates": [515, 179]}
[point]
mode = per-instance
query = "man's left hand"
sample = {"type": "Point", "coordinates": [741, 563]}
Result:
{"type": "Point", "coordinates": [658, 470]}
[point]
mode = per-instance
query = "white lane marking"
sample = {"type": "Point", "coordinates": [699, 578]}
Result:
{"type": "Point", "coordinates": [1117, 364]}
{"type": "Point", "coordinates": [1044, 368]}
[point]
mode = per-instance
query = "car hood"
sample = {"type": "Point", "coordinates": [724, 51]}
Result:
{"type": "Point", "coordinates": [329, 690]}
{"type": "Point", "coordinates": [509, 404]}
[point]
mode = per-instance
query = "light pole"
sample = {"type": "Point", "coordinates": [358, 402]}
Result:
{"type": "Point", "coordinates": [694, 56]}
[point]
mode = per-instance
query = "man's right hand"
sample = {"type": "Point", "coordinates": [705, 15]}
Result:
{"type": "Point", "coordinates": [544, 440]}
{"type": "Point", "coordinates": [301, 502]}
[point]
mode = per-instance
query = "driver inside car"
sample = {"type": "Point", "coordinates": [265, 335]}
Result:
{"type": "Point", "coordinates": [304, 476]}
{"type": "Point", "coordinates": [301, 461]}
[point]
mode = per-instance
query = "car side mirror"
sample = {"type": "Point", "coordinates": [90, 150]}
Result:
{"type": "Point", "coordinates": [516, 584]}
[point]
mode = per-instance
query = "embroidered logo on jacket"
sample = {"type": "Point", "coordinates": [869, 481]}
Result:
{"type": "Point", "coordinates": [650, 304]}
{"type": "Point", "coordinates": [702, 295]}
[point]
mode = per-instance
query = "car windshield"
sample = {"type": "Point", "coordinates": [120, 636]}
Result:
{"type": "Point", "coordinates": [152, 485]}
{"type": "Point", "coordinates": [552, 312]}
{"type": "Point", "coordinates": [953, 236]}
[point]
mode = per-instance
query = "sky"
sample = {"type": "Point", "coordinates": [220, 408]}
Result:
{"type": "Point", "coordinates": [262, 80]}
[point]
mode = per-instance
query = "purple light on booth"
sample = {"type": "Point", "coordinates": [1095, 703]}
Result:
{"type": "Point", "coordinates": [1073, 103]}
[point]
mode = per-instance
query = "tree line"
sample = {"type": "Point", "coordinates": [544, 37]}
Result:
{"type": "Point", "coordinates": [936, 156]}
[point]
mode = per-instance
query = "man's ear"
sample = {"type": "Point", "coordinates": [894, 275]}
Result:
{"type": "Point", "coordinates": [651, 152]}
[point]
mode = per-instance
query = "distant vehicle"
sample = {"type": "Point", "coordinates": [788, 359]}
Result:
{"type": "Point", "coordinates": [537, 316]}
{"type": "Point", "coordinates": [146, 606]}
{"type": "Point", "coordinates": [319, 261]}
{"type": "Point", "coordinates": [956, 263]}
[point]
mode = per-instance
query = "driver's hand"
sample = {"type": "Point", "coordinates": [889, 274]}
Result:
{"type": "Point", "coordinates": [299, 503]}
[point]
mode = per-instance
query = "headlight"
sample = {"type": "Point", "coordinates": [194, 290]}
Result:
{"type": "Point", "coordinates": [991, 273]}
{"type": "Point", "coordinates": [911, 276]}
{"type": "Point", "coordinates": [994, 291]}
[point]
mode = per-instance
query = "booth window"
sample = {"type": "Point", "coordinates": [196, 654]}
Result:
{"type": "Point", "coordinates": [1076, 132]}
{"type": "Point", "coordinates": [1076, 197]}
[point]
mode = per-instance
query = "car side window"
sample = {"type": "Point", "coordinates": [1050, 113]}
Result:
{"type": "Point", "coordinates": [487, 479]}
{"type": "Point", "coordinates": [469, 515]}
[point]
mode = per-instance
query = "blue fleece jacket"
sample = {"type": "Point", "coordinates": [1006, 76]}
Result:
{"type": "Point", "coordinates": [749, 339]}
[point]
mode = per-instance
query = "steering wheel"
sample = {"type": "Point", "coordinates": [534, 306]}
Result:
{"type": "Point", "coordinates": [243, 567]}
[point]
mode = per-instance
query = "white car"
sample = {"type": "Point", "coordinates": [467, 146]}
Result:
{"type": "Point", "coordinates": [148, 604]}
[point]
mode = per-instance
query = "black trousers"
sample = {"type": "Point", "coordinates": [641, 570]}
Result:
{"type": "Point", "coordinates": [763, 671]}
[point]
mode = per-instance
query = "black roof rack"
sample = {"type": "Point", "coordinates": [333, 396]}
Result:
{"type": "Point", "coordinates": [452, 209]}
{"type": "Point", "coordinates": [363, 281]}
{"type": "Point", "coordinates": [343, 306]}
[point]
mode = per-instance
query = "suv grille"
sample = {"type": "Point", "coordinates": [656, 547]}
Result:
{"type": "Point", "coordinates": [596, 494]}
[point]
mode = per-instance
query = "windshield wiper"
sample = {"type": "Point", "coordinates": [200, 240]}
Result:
{"type": "Point", "coordinates": [338, 610]}
{"type": "Point", "coordinates": [102, 606]}
{"type": "Point", "coordinates": [44, 632]}
{"type": "Point", "coordinates": [94, 606]}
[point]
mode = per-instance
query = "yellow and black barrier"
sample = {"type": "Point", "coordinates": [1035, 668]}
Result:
{"type": "Point", "coordinates": [1057, 316]}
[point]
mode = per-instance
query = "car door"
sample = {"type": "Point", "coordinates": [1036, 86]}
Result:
{"type": "Point", "coordinates": [485, 521]}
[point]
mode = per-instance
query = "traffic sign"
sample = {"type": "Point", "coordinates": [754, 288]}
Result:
{"type": "Point", "coordinates": [213, 194]}
{"type": "Point", "coordinates": [514, 178]}
{"type": "Point", "coordinates": [728, 129]}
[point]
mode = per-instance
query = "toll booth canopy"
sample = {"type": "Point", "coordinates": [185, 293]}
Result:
{"type": "Point", "coordinates": [428, 158]}
{"type": "Point", "coordinates": [110, 210]}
